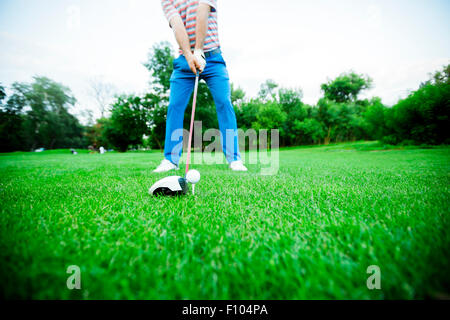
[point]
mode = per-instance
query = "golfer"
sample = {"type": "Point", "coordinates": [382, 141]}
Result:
{"type": "Point", "coordinates": [194, 23]}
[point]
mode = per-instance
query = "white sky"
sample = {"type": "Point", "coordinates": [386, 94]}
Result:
{"type": "Point", "coordinates": [296, 43]}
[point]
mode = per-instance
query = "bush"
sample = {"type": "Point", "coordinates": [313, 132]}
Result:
{"type": "Point", "coordinates": [423, 117]}
{"type": "Point", "coordinates": [128, 122]}
{"type": "Point", "coordinates": [375, 121]}
{"type": "Point", "coordinates": [270, 116]}
{"type": "Point", "coordinates": [310, 131]}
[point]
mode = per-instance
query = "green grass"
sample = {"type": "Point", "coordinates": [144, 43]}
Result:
{"type": "Point", "coordinates": [309, 232]}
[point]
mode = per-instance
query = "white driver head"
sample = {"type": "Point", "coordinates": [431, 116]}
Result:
{"type": "Point", "coordinates": [169, 186]}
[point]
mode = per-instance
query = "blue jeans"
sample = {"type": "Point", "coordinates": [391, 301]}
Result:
{"type": "Point", "coordinates": [181, 86]}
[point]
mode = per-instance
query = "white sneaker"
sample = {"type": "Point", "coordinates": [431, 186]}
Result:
{"type": "Point", "coordinates": [165, 166]}
{"type": "Point", "coordinates": [237, 166]}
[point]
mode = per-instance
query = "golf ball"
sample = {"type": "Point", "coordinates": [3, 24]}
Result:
{"type": "Point", "coordinates": [193, 176]}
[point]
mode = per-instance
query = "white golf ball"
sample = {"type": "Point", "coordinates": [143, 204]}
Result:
{"type": "Point", "coordinates": [193, 176]}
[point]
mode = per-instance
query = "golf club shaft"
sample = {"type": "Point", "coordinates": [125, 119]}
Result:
{"type": "Point", "coordinates": [194, 102]}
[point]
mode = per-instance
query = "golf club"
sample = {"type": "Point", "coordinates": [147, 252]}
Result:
{"type": "Point", "coordinates": [194, 102]}
{"type": "Point", "coordinates": [176, 185]}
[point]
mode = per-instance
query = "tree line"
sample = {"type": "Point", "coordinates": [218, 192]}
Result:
{"type": "Point", "coordinates": [38, 114]}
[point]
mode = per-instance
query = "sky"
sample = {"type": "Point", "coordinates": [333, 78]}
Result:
{"type": "Point", "coordinates": [298, 44]}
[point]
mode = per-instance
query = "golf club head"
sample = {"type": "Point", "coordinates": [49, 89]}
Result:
{"type": "Point", "coordinates": [169, 186]}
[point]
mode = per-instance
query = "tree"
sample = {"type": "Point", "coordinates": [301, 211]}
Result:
{"type": "Point", "coordinates": [103, 93]}
{"type": "Point", "coordinates": [326, 117]}
{"type": "Point", "coordinates": [270, 116]}
{"type": "Point", "coordinates": [424, 116]}
{"type": "Point", "coordinates": [267, 90]}
{"type": "Point", "coordinates": [237, 96]}
{"type": "Point", "coordinates": [310, 131]}
{"type": "Point", "coordinates": [440, 77]}
{"type": "Point", "coordinates": [95, 134]}
{"type": "Point", "coordinates": [246, 114]}
{"type": "Point", "coordinates": [131, 119]}
{"type": "Point", "coordinates": [375, 119]}
{"type": "Point", "coordinates": [291, 103]}
{"type": "Point", "coordinates": [2, 94]}
{"type": "Point", "coordinates": [160, 64]}
{"type": "Point", "coordinates": [39, 114]}
{"type": "Point", "coordinates": [346, 87]}
{"type": "Point", "coordinates": [157, 122]}
{"type": "Point", "coordinates": [290, 99]}
{"type": "Point", "coordinates": [341, 120]}
{"type": "Point", "coordinates": [10, 125]}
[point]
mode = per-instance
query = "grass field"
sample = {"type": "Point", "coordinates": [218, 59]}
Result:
{"type": "Point", "coordinates": [309, 232]}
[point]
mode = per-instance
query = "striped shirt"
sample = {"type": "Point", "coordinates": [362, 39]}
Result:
{"type": "Point", "coordinates": [187, 10]}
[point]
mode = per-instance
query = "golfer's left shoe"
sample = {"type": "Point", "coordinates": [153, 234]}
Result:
{"type": "Point", "coordinates": [165, 166]}
{"type": "Point", "coordinates": [237, 166]}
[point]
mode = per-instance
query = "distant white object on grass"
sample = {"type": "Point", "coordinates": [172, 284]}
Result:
{"type": "Point", "coordinates": [39, 150]}
{"type": "Point", "coordinates": [102, 150]}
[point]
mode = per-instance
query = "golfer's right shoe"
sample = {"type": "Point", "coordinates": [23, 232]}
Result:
{"type": "Point", "coordinates": [165, 166]}
{"type": "Point", "coordinates": [238, 166]}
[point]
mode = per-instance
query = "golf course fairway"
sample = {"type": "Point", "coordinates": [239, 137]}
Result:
{"type": "Point", "coordinates": [311, 231]}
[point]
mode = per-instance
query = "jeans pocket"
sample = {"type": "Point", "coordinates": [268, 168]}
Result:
{"type": "Point", "coordinates": [221, 60]}
{"type": "Point", "coordinates": [176, 62]}
{"type": "Point", "coordinates": [181, 64]}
